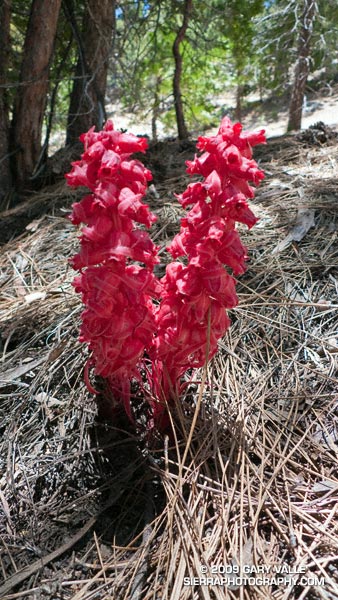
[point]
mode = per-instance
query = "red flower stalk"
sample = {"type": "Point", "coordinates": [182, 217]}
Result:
{"type": "Point", "coordinates": [195, 297]}
{"type": "Point", "coordinates": [118, 322]}
{"type": "Point", "coordinates": [121, 323]}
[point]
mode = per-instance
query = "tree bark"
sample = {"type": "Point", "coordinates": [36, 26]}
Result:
{"type": "Point", "coordinates": [181, 126]}
{"type": "Point", "coordinates": [87, 106]}
{"type": "Point", "coordinates": [155, 109]}
{"type": "Point", "coordinates": [302, 67]}
{"type": "Point", "coordinates": [31, 95]}
{"type": "Point", "coordinates": [238, 108]}
{"type": "Point", "coordinates": [5, 172]}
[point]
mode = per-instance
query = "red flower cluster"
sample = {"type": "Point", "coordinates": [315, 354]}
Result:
{"type": "Point", "coordinates": [192, 316]}
{"type": "Point", "coordinates": [118, 321]}
{"type": "Point", "coordinates": [121, 323]}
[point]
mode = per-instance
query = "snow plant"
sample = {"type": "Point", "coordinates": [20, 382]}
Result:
{"type": "Point", "coordinates": [133, 322]}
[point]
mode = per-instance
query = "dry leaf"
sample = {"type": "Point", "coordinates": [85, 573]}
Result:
{"type": "Point", "coordinates": [304, 221]}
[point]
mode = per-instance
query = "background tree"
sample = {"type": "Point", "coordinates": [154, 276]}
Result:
{"type": "Point", "coordinates": [277, 47]}
{"type": "Point", "coordinates": [238, 27]}
{"type": "Point", "coordinates": [274, 47]}
{"type": "Point", "coordinates": [5, 175]}
{"type": "Point", "coordinates": [302, 67]}
{"type": "Point", "coordinates": [324, 52]}
{"type": "Point", "coordinates": [142, 68]}
{"type": "Point", "coordinates": [87, 102]}
{"type": "Point", "coordinates": [144, 65]}
{"type": "Point", "coordinates": [31, 94]}
{"type": "Point", "coordinates": [177, 92]}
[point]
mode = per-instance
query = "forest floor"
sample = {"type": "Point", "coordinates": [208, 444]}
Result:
{"type": "Point", "coordinates": [90, 511]}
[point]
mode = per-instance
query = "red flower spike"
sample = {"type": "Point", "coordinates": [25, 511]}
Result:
{"type": "Point", "coordinates": [118, 321]}
{"type": "Point", "coordinates": [123, 327]}
{"type": "Point", "coordinates": [203, 289]}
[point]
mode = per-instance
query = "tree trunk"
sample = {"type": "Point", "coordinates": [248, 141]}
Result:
{"type": "Point", "coordinates": [238, 108]}
{"type": "Point", "coordinates": [5, 173]}
{"type": "Point", "coordinates": [155, 109]}
{"type": "Point", "coordinates": [31, 96]}
{"type": "Point", "coordinates": [181, 126]}
{"type": "Point", "coordinates": [87, 106]}
{"type": "Point", "coordinates": [302, 67]}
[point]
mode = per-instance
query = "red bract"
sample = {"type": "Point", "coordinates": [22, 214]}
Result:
{"type": "Point", "coordinates": [192, 315]}
{"type": "Point", "coordinates": [124, 328]}
{"type": "Point", "coordinates": [118, 321]}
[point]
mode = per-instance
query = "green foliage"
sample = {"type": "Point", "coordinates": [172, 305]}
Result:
{"type": "Point", "coordinates": [143, 67]}
{"type": "Point", "coordinates": [146, 67]}
{"type": "Point", "coordinates": [325, 49]}
{"type": "Point", "coordinates": [250, 45]}
{"type": "Point", "coordinates": [275, 43]}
